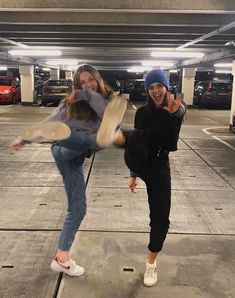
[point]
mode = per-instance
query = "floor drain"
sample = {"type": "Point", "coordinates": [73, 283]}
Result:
{"type": "Point", "coordinates": [42, 204]}
{"type": "Point", "coordinates": [118, 206]}
{"type": "Point", "coordinates": [125, 269]}
{"type": "Point", "coordinates": [218, 208]}
{"type": "Point", "coordinates": [7, 266]}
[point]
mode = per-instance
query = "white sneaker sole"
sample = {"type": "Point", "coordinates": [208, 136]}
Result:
{"type": "Point", "coordinates": [51, 131]}
{"type": "Point", "coordinates": [56, 267]}
{"type": "Point", "coordinates": [112, 118]}
{"type": "Point", "coordinates": [149, 284]}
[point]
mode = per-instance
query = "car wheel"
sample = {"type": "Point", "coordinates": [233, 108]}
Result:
{"type": "Point", "coordinates": [200, 103]}
{"type": "Point", "coordinates": [44, 102]}
{"type": "Point", "coordinates": [13, 99]}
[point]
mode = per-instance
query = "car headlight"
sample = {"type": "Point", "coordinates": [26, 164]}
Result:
{"type": "Point", "coordinates": [7, 91]}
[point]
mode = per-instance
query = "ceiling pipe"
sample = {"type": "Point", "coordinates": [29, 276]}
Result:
{"type": "Point", "coordinates": [212, 33]}
{"type": "Point", "coordinates": [18, 44]}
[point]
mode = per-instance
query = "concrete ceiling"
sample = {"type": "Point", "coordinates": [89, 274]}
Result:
{"type": "Point", "coordinates": [118, 34]}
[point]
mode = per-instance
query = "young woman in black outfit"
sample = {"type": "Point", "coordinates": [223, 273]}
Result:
{"type": "Point", "coordinates": [157, 126]}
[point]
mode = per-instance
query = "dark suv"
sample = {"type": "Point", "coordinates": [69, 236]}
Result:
{"type": "Point", "coordinates": [213, 94]}
{"type": "Point", "coordinates": [138, 93]}
{"type": "Point", "coordinates": [55, 90]}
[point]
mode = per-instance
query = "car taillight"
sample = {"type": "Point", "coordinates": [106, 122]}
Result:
{"type": "Point", "coordinates": [209, 90]}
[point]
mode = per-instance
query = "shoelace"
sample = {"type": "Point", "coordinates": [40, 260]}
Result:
{"type": "Point", "coordinates": [151, 271]}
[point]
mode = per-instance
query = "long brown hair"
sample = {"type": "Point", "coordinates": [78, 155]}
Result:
{"type": "Point", "coordinates": [103, 88]}
{"type": "Point", "coordinates": [81, 109]}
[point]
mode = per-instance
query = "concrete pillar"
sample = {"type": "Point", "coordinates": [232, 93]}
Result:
{"type": "Point", "coordinates": [68, 75]}
{"type": "Point", "coordinates": [233, 97]}
{"type": "Point", "coordinates": [188, 85]}
{"type": "Point", "coordinates": [54, 73]}
{"type": "Point", "coordinates": [27, 84]}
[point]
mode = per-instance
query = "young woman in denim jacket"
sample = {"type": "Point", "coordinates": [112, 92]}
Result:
{"type": "Point", "coordinates": [82, 112]}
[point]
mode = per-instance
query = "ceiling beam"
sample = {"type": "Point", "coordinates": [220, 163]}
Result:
{"type": "Point", "coordinates": [143, 19]}
{"type": "Point", "coordinates": [208, 58]}
{"type": "Point", "coordinates": [176, 6]}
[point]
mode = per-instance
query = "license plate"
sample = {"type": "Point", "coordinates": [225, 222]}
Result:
{"type": "Point", "coordinates": [55, 91]}
{"type": "Point", "coordinates": [223, 93]}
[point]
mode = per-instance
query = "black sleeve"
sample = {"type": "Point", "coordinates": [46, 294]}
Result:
{"type": "Point", "coordinates": [140, 119]}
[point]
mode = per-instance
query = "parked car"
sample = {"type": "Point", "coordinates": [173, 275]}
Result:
{"type": "Point", "coordinates": [233, 127]}
{"type": "Point", "coordinates": [114, 84]}
{"type": "Point", "coordinates": [174, 89]}
{"type": "Point", "coordinates": [128, 85]}
{"type": "Point", "coordinates": [55, 90]}
{"type": "Point", "coordinates": [213, 94]}
{"type": "Point", "coordinates": [9, 90]}
{"type": "Point", "coordinates": [138, 92]}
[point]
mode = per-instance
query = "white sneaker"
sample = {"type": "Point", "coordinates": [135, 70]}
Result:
{"type": "Point", "coordinates": [150, 276]}
{"type": "Point", "coordinates": [47, 132]}
{"type": "Point", "coordinates": [111, 121]}
{"type": "Point", "coordinates": [70, 267]}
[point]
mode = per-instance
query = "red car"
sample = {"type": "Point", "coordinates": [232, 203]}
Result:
{"type": "Point", "coordinates": [9, 90]}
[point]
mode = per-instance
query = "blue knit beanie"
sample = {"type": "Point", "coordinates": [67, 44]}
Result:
{"type": "Point", "coordinates": [156, 76]}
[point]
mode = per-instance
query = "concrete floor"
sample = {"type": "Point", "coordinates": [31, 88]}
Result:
{"type": "Point", "coordinates": [198, 259]}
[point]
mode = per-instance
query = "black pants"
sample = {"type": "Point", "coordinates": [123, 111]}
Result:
{"type": "Point", "coordinates": [154, 169]}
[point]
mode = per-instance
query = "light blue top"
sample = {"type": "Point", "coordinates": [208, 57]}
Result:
{"type": "Point", "coordinates": [95, 100]}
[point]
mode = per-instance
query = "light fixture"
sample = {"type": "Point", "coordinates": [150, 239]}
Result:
{"type": "Point", "coordinates": [230, 43]}
{"type": "Point", "coordinates": [3, 67]}
{"type": "Point", "coordinates": [223, 71]}
{"type": "Point", "coordinates": [35, 52]}
{"type": "Point", "coordinates": [62, 62]}
{"type": "Point", "coordinates": [177, 54]}
{"type": "Point", "coordinates": [158, 63]}
{"type": "Point", "coordinates": [223, 65]}
{"type": "Point", "coordinates": [139, 69]}
{"type": "Point", "coordinates": [71, 67]}
{"type": "Point", "coordinates": [173, 70]}
{"type": "Point", "coordinates": [46, 69]}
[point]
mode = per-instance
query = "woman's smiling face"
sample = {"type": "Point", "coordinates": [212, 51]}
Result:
{"type": "Point", "coordinates": [157, 92]}
{"type": "Point", "coordinates": [87, 81]}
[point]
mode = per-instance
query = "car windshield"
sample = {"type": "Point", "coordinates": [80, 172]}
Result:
{"type": "Point", "coordinates": [55, 83]}
{"type": "Point", "coordinates": [139, 84]}
{"type": "Point", "coordinates": [222, 87]}
{"type": "Point", "coordinates": [5, 82]}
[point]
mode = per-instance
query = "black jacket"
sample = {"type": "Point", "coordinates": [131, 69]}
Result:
{"type": "Point", "coordinates": [161, 128]}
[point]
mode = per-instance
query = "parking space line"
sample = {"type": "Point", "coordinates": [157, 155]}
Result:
{"type": "Point", "coordinates": [206, 130]}
{"type": "Point", "coordinates": [225, 143]}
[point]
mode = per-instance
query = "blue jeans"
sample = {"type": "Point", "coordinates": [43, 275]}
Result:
{"type": "Point", "coordinates": [69, 156]}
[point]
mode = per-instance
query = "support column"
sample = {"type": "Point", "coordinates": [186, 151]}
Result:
{"type": "Point", "coordinates": [188, 85]}
{"type": "Point", "coordinates": [233, 97]}
{"type": "Point", "coordinates": [68, 75]}
{"type": "Point", "coordinates": [27, 84]}
{"type": "Point", "coordinates": [54, 73]}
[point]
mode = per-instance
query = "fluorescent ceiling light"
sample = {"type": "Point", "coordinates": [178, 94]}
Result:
{"type": "Point", "coordinates": [3, 67]}
{"type": "Point", "coordinates": [71, 67]}
{"type": "Point", "coordinates": [35, 53]}
{"type": "Point", "coordinates": [223, 71]}
{"type": "Point", "coordinates": [157, 63]}
{"type": "Point", "coordinates": [46, 69]}
{"type": "Point", "coordinates": [139, 69]}
{"type": "Point", "coordinates": [223, 65]}
{"type": "Point", "coordinates": [177, 54]}
{"type": "Point", "coordinates": [72, 62]}
{"type": "Point", "coordinates": [173, 71]}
